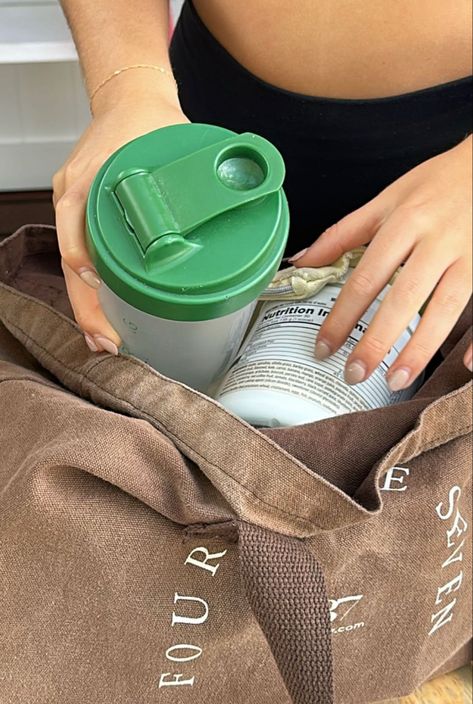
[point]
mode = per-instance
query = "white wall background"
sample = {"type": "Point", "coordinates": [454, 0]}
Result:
{"type": "Point", "coordinates": [43, 106]}
{"type": "Point", "coordinates": [176, 6]}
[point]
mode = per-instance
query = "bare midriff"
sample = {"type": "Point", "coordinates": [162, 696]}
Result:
{"type": "Point", "coordinates": [346, 48]}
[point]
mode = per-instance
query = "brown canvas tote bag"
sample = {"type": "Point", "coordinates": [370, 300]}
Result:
{"type": "Point", "coordinates": [155, 548]}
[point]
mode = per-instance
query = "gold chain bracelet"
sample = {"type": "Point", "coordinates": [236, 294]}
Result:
{"type": "Point", "coordinates": [122, 70]}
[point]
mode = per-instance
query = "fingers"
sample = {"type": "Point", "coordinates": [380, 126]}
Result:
{"type": "Point", "coordinates": [444, 309]}
{"type": "Point", "coordinates": [70, 223]}
{"type": "Point", "coordinates": [99, 334]}
{"type": "Point", "coordinates": [412, 288]}
{"type": "Point", "coordinates": [352, 231]}
{"type": "Point", "coordinates": [82, 280]}
{"type": "Point", "coordinates": [386, 252]}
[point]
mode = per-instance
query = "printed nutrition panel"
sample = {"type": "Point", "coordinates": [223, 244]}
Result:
{"type": "Point", "coordinates": [279, 354]}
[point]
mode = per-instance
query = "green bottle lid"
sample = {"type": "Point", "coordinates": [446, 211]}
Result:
{"type": "Point", "coordinates": [189, 222]}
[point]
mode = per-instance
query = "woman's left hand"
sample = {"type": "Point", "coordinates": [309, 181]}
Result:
{"type": "Point", "coordinates": [424, 221]}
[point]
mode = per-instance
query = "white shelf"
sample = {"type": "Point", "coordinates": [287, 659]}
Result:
{"type": "Point", "coordinates": [34, 33]}
{"type": "Point", "coordinates": [31, 166]}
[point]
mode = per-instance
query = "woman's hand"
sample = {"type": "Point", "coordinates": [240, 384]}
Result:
{"type": "Point", "coordinates": [424, 221]}
{"type": "Point", "coordinates": [110, 129]}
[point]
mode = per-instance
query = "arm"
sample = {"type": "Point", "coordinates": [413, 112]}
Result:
{"type": "Point", "coordinates": [112, 34]}
{"type": "Point", "coordinates": [109, 35]}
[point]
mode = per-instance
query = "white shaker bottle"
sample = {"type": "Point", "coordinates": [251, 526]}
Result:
{"type": "Point", "coordinates": [186, 226]}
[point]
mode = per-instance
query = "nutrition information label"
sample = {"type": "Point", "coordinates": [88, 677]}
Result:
{"type": "Point", "coordinates": [279, 355]}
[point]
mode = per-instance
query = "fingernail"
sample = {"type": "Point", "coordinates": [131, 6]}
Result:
{"type": "Point", "coordinates": [90, 278]}
{"type": "Point", "coordinates": [297, 256]}
{"type": "Point", "coordinates": [106, 344]}
{"type": "Point", "coordinates": [322, 350]}
{"type": "Point", "coordinates": [469, 360]}
{"type": "Point", "coordinates": [90, 343]}
{"type": "Point", "coordinates": [355, 373]}
{"type": "Point", "coordinates": [399, 379]}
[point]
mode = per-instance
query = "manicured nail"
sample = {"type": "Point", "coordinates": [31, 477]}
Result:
{"type": "Point", "coordinates": [469, 360]}
{"type": "Point", "coordinates": [399, 379]}
{"type": "Point", "coordinates": [106, 344]}
{"type": "Point", "coordinates": [90, 278]}
{"type": "Point", "coordinates": [322, 350]}
{"type": "Point", "coordinates": [355, 373]}
{"type": "Point", "coordinates": [90, 343]}
{"type": "Point", "coordinates": [297, 256]}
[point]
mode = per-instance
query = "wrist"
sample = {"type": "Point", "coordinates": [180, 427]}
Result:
{"type": "Point", "coordinates": [140, 85]}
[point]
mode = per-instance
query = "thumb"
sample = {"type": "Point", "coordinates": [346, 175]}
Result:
{"type": "Point", "coordinates": [89, 315]}
{"type": "Point", "coordinates": [356, 229]}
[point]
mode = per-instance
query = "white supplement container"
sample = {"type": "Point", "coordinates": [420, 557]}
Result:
{"type": "Point", "coordinates": [276, 380]}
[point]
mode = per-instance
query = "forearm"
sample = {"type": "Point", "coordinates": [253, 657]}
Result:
{"type": "Point", "coordinates": [112, 34]}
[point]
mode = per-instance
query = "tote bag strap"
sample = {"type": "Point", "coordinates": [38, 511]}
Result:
{"type": "Point", "coordinates": [285, 587]}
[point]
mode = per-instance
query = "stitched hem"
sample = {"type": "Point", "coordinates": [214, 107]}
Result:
{"type": "Point", "coordinates": [441, 439]}
{"type": "Point", "coordinates": [304, 521]}
{"type": "Point", "coordinates": [313, 477]}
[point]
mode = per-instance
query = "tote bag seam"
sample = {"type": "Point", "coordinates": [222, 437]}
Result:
{"type": "Point", "coordinates": [461, 432]}
{"type": "Point", "coordinates": [305, 521]}
{"type": "Point", "coordinates": [31, 380]}
{"type": "Point", "coordinates": [24, 296]}
{"type": "Point", "coordinates": [274, 507]}
{"type": "Point", "coordinates": [438, 441]}
{"type": "Point", "coordinates": [385, 463]}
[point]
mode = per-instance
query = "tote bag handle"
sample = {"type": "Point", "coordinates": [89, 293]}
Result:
{"type": "Point", "coordinates": [285, 587]}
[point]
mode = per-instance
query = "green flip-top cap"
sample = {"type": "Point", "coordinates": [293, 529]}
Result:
{"type": "Point", "coordinates": [189, 222]}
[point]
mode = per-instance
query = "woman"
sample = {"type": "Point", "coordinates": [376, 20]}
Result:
{"type": "Point", "coordinates": [383, 158]}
